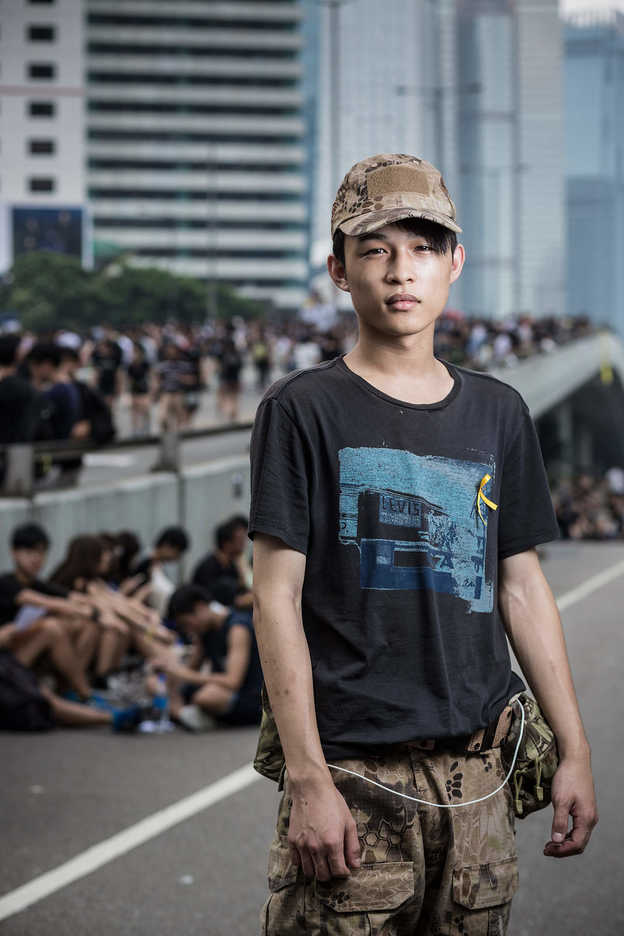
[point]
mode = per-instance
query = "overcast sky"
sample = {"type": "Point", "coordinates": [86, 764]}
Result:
{"type": "Point", "coordinates": [567, 6]}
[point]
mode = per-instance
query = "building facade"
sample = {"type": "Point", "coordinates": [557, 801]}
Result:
{"type": "Point", "coordinates": [196, 140]}
{"type": "Point", "coordinates": [474, 86]}
{"type": "Point", "coordinates": [510, 157]}
{"type": "Point", "coordinates": [42, 177]}
{"type": "Point", "coordinates": [594, 72]}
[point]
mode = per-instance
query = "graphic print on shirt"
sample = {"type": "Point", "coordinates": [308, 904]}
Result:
{"type": "Point", "coordinates": [415, 521]}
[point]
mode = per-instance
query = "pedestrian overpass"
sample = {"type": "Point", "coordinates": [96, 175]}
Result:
{"type": "Point", "coordinates": [575, 394]}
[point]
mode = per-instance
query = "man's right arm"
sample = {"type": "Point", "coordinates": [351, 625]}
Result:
{"type": "Point", "coordinates": [322, 833]}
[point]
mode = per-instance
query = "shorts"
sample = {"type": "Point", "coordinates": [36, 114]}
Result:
{"type": "Point", "coordinates": [244, 708]}
{"type": "Point", "coordinates": [425, 871]}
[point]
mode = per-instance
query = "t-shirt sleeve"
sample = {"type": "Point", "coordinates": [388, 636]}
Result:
{"type": "Point", "coordinates": [279, 478]}
{"type": "Point", "coordinates": [527, 515]}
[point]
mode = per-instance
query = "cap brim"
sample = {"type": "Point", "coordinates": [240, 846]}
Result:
{"type": "Point", "coordinates": [373, 220]}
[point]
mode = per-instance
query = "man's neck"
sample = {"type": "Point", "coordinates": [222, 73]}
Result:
{"type": "Point", "coordinates": [22, 578]}
{"type": "Point", "coordinates": [223, 557]}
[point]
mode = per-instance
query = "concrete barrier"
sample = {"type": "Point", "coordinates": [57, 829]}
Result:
{"type": "Point", "coordinates": [199, 498]}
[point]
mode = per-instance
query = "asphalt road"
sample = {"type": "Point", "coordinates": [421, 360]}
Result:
{"type": "Point", "coordinates": [64, 792]}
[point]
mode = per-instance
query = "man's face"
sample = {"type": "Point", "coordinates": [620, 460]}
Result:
{"type": "Point", "coordinates": [197, 621]}
{"type": "Point", "coordinates": [42, 371]}
{"type": "Point", "coordinates": [168, 553]}
{"type": "Point", "coordinates": [236, 546]}
{"type": "Point", "coordinates": [399, 285]}
{"type": "Point", "coordinates": [30, 562]}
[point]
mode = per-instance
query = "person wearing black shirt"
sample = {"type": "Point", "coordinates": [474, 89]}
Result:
{"type": "Point", "coordinates": [230, 692]}
{"type": "Point", "coordinates": [220, 570]}
{"type": "Point", "coordinates": [396, 502]}
{"type": "Point", "coordinates": [107, 358]}
{"type": "Point", "coordinates": [21, 405]}
{"type": "Point", "coordinates": [37, 616]}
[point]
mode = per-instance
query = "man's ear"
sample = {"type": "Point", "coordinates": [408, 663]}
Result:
{"type": "Point", "coordinates": [336, 270]}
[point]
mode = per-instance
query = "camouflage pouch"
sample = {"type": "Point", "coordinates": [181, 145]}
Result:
{"type": "Point", "coordinates": [537, 761]}
{"type": "Point", "coordinates": [269, 759]}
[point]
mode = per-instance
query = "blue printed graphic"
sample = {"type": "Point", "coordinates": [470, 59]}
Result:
{"type": "Point", "coordinates": [415, 521]}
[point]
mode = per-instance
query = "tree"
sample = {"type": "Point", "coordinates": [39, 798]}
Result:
{"type": "Point", "coordinates": [46, 291]}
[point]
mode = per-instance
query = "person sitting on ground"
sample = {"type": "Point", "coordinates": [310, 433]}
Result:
{"type": "Point", "coordinates": [27, 706]}
{"type": "Point", "coordinates": [229, 693]}
{"type": "Point", "coordinates": [169, 546]}
{"type": "Point", "coordinates": [226, 566]}
{"type": "Point", "coordinates": [42, 617]}
{"type": "Point", "coordinates": [125, 621]}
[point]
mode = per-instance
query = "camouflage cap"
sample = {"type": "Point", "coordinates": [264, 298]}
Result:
{"type": "Point", "coordinates": [387, 188]}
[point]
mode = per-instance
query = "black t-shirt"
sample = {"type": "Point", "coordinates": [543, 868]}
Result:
{"type": "Point", "coordinates": [20, 410]}
{"type": "Point", "coordinates": [107, 362]}
{"type": "Point", "coordinates": [215, 644]}
{"type": "Point", "coordinates": [138, 372]}
{"type": "Point", "coordinates": [221, 582]}
{"type": "Point", "coordinates": [10, 587]}
{"type": "Point", "coordinates": [383, 497]}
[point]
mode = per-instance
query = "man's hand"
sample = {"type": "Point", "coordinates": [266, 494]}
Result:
{"type": "Point", "coordinates": [322, 833]}
{"type": "Point", "coordinates": [572, 795]}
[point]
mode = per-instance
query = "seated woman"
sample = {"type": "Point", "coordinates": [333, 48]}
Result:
{"type": "Point", "coordinates": [125, 622]}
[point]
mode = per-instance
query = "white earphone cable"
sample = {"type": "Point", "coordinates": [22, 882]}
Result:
{"type": "Point", "coordinates": [445, 805]}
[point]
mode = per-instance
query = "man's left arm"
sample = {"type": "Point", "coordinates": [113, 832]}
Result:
{"type": "Point", "coordinates": [531, 618]}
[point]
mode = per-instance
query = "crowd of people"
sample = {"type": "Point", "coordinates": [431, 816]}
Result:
{"type": "Point", "coordinates": [161, 374]}
{"type": "Point", "coordinates": [109, 639]}
{"type": "Point", "coordinates": [591, 508]}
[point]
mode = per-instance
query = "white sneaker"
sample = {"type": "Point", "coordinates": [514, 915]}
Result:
{"type": "Point", "coordinates": [193, 718]}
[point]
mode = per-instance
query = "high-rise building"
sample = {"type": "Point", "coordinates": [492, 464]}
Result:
{"type": "Point", "coordinates": [374, 93]}
{"type": "Point", "coordinates": [594, 73]}
{"type": "Point", "coordinates": [509, 101]}
{"type": "Point", "coordinates": [475, 87]}
{"type": "Point", "coordinates": [196, 139]}
{"type": "Point", "coordinates": [42, 180]}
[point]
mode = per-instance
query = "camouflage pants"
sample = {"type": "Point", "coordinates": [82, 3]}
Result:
{"type": "Point", "coordinates": [425, 871]}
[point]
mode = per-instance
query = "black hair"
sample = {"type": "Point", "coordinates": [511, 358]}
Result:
{"type": "Point", "coordinates": [29, 536]}
{"type": "Point", "coordinates": [81, 563]}
{"type": "Point", "coordinates": [45, 351]}
{"type": "Point", "coordinates": [184, 600]}
{"type": "Point", "coordinates": [439, 238]}
{"type": "Point", "coordinates": [173, 536]}
{"type": "Point", "coordinates": [9, 345]}
{"type": "Point", "coordinates": [225, 531]}
{"type": "Point", "coordinates": [67, 353]}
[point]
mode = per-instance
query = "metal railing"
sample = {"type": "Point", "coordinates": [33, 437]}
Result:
{"type": "Point", "coordinates": [18, 461]}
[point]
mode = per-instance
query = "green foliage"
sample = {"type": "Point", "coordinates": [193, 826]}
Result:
{"type": "Point", "coordinates": [46, 291]}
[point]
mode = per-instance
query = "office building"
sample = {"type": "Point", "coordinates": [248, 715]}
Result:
{"type": "Point", "coordinates": [511, 201]}
{"type": "Point", "coordinates": [42, 178]}
{"type": "Point", "coordinates": [594, 76]}
{"type": "Point", "coordinates": [195, 139]}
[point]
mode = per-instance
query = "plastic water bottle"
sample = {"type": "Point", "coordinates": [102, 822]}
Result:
{"type": "Point", "coordinates": [159, 723]}
{"type": "Point", "coordinates": [160, 705]}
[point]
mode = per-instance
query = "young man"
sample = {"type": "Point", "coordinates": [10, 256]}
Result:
{"type": "Point", "coordinates": [230, 692]}
{"type": "Point", "coordinates": [40, 617]}
{"type": "Point", "coordinates": [396, 503]}
{"type": "Point", "coordinates": [169, 546]}
{"type": "Point", "coordinates": [224, 568]}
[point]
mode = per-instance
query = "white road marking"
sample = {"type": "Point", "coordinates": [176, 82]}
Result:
{"type": "Point", "coordinates": [591, 585]}
{"type": "Point", "coordinates": [135, 835]}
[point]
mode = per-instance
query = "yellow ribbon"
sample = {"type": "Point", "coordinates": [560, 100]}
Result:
{"type": "Point", "coordinates": [481, 497]}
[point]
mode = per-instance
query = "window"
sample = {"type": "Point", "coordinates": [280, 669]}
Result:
{"type": "Point", "coordinates": [41, 33]}
{"type": "Point", "coordinates": [41, 184]}
{"type": "Point", "coordinates": [41, 147]}
{"type": "Point", "coordinates": [39, 71]}
{"type": "Point", "coordinates": [41, 108]}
